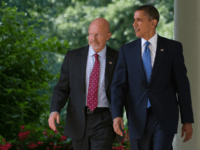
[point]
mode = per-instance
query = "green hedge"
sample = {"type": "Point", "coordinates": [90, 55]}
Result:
{"type": "Point", "coordinates": [23, 77]}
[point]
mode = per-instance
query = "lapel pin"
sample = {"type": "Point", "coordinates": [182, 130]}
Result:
{"type": "Point", "coordinates": [110, 62]}
{"type": "Point", "coordinates": [162, 50]}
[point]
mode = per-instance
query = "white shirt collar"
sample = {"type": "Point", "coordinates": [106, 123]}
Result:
{"type": "Point", "coordinates": [102, 53]}
{"type": "Point", "coordinates": [152, 40]}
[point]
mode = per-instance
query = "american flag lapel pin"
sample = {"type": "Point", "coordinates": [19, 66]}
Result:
{"type": "Point", "coordinates": [161, 50]}
{"type": "Point", "coordinates": [110, 62]}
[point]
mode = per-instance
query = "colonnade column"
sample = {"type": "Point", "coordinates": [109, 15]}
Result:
{"type": "Point", "coordinates": [187, 31]}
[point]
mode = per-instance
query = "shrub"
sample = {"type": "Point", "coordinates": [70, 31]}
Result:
{"type": "Point", "coordinates": [23, 76]}
{"type": "Point", "coordinates": [35, 137]}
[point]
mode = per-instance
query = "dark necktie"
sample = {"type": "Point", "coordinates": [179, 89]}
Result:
{"type": "Point", "coordinates": [92, 97]}
{"type": "Point", "coordinates": [147, 65]}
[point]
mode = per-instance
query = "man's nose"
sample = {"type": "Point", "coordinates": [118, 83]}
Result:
{"type": "Point", "coordinates": [134, 24]}
{"type": "Point", "coordinates": [94, 37]}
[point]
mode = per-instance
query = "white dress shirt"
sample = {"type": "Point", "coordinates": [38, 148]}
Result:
{"type": "Point", "coordinates": [102, 98]}
{"type": "Point", "coordinates": [152, 47]}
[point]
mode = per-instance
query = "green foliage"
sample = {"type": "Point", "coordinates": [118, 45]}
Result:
{"type": "Point", "coordinates": [70, 19]}
{"type": "Point", "coordinates": [23, 75]}
{"type": "Point", "coordinates": [40, 138]}
{"type": "Point", "coordinates": [2, 141]}
{"type": "Point", "coordinates": [166, 23]}
{"type": "Point", "coordinates": [124, 144]}
{"type": "Point", "coordinates": [73, 23]}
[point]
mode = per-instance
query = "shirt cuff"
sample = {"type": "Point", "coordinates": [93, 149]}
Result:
{"type": "Point", "coordinates": [53, 112]}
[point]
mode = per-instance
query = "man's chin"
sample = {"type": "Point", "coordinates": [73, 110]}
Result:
{"type": "Point", "coordinates": [95, 47]}
{"type": "Point", "coordinates": [138, 35]}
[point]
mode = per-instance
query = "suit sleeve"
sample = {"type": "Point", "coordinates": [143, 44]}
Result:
{"type": "Point", "coordinates": [119, 87]}
{"type": "Point", "coordinates": [182, 85]}
{"type": "Point", "coordinates": [62, 89]}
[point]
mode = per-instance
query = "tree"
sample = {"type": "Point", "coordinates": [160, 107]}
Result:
{"type": "Point", "coordinates": [73, 23]}
{"type": "Point", "coordinates": [23, 75]}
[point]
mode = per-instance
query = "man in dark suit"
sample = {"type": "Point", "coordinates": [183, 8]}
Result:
{"type": "Point", "coordinates": [85, 79]}
{"type": "Point", "coordinates": [152, 70]}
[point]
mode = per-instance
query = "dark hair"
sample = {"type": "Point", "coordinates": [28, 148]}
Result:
{"type": "Point", "coordinates": [150, 11]}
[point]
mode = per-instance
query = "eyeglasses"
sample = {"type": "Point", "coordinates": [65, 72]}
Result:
{"type": "Point", "coordinates": [96, 35]}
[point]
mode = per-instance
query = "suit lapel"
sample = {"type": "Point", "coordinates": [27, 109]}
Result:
{"type": "Point", "coordinates": [110, 63]}
{"type": "Point", "coordinates": [83, 61]}
{"type": "Point", "coordinates": [160, 53]}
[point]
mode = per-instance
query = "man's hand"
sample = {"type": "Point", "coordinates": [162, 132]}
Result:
{"type": "Point", "coordinates": [54, 116]}
{"type": "Point", "coordinates": [117, 122]}
{"type": "Point", "coordinates": [187, 128]}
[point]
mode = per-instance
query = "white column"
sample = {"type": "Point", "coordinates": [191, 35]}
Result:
{"type": "Point", "coordinates": [187, 31]}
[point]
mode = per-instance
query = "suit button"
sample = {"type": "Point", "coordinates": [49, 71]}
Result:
{"type": "Point", "coordinates": [83, 111]}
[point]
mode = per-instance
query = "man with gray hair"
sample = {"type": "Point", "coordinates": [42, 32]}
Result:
{"type": "Point", "coordinates": [85, 79]}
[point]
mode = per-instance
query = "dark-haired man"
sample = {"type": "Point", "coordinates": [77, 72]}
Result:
{"type": "Point", "coordinates": [151, 69]}
{"type": "Point", "coordinates": [85, 79]}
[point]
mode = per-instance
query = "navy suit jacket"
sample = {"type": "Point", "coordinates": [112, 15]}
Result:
{"type": "Point", "coordinates": [167, 91]}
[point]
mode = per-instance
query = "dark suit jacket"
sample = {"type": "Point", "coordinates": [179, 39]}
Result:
{"type": "Point", "coordinates": [72, 85]}
{"type": "Point", "coordinates": [168, 87]}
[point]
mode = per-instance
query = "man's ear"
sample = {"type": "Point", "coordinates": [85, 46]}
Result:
{"type": "Point", "coordinates": [108, 36]}
{"type": "Point", "coordinates": [154, 23]}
